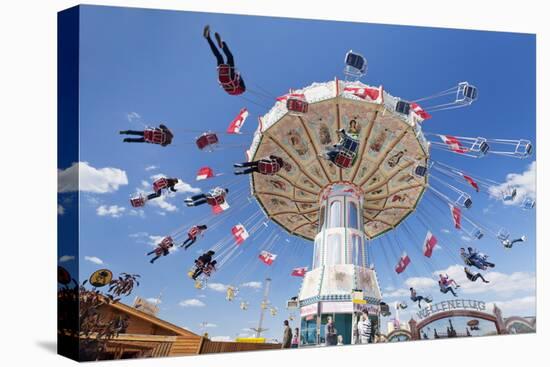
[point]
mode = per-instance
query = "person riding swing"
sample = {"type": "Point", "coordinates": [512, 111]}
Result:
{"type": "Point", "coordinates": [230, 80]}
{"type": "Point", "coordinates": [161, 135]}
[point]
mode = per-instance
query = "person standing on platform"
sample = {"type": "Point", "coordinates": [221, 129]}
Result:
{"type": "Point", "coordinates": [295, 339]}
{"type": "Point", "coordinates": [287, 335]}
{"type": "Point", "coordinates": [364, 327]}
{"type": "Point", "coordinates": [330, 332]}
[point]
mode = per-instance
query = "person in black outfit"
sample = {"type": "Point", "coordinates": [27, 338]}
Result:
{"type": "Point", "coordinates": [202, 262]}
{"type": "Point", "coordinates": [172, 182]}
{"type": "Point", "coordinates": [255, 166]}
{"type": "Point", "coordinates": [202, 198]}
{"type": "Point", "coordinates": [164, 128]}
{"type": "Point", "coordinates": [218, 55]}
{"type": "Point", "coordinates": [473, 277]}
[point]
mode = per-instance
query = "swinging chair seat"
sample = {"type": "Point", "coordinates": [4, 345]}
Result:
{"type": "Point", "coordinates": [161, 183]}
{"type": "Point", "coordinates": [403, 107]}
{"type": "Point", "coordinates": [297, 105]}
{"type": "Point", "coordinates": [138, 201]}
{"type": "Point", "coordinates": [154, 136]}
{"type": "Point", "coordinates": [207, 140]}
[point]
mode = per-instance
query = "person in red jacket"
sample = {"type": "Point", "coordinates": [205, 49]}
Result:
{"type": "Point", "coordinates": [163, 249]}
{"type": "Point", "coordinates": [231, 81]}
{"type": "Point", "coordinates": [192, 235]}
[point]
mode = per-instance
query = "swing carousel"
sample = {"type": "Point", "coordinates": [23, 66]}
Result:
{"type": "Point", "coordinates": [372, 185]}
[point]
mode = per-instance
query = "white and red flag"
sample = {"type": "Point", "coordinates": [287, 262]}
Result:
{"type": "Point", "coordinates": [420, 111]}
{"type": "Point", "coordinates": [471, 181]}
{"type": "Point", "coordinates": [429, 244]}
{"type": "Point", "coordinates": [239, 233]}
{"type": "Point", "coordinates": [204, 173]}
{"type": "Point", "coordinates": [287, 96]}
{"type": "Point", "coordinates": [454, 144]}
{"type": "Point", "coordinates": [404, 261]}
{"type": "Point", "coordinates": [299, 272]}
{"type": "Point", "coordinates": [267, 257]}
{"type": "Point", "coordinates": [457, 216]}
{"type": "Point", "coordinates": [238, 122]}
{"type": "Point", "coordinates": [363, 93]}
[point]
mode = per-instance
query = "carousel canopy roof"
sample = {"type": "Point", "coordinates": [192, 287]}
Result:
{"type": "Point", "coordinates": [391, 145]}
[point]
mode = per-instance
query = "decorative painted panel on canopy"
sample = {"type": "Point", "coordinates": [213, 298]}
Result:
{"type": "Point", "coordinates": [390, 145]}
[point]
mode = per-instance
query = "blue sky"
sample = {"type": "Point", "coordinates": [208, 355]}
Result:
{"type": "Point", "coordinates": [141, 67]}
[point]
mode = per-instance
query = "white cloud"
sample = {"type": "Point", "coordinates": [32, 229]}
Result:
{"type": "Point", "coordinates": [445, 230]}
{"type": "Point", "coordinates": [151, 168]}
{"type": "Point", "coordinates": [162, 203]}
{"type": "Point", "coordinates": [201, 296]}
{"type": "Point", "coordinates": [223, 338]}
{"type": "Point", "coordinates": [218, 287]}
{"type": "Point", "coordinates": [89, 179]}
{"type": "Point", "coordinates": [184, 187]}
{"type": "Point", "coordinates": [208, 325]}
{"type": "Point", "coordinates": [253, 285]}
{"type": "Point", "coordinates": [138, 235]}
{"type": "Point", "coordinates": [113, 211]}
{"type": "Point", "coordinates": [60, 209]}
{"type": "Point", "coordinates": [397, 293]}
{"type": "Point", "coordinates": [93, 259]}
{"type": "Point", "coordinates": [524, 306]}
{"type": "Point", "coordinates": [153, 300]}
{"type": "Point", "coordinates": [420, 283]}
{"type": "Point", "coordinates": [192, 302]}
{"type": "Point", "coordinates": [524, 183]}
{"type": "Point", "coordinates": [465, 238]}
{"type": "Point", "coordinates": [66, 258]}
{"type": "Point", "coordinates": [155, 240]}
{"type": "Point", "coordinates": [500, 283]}
{"type": "Point", "coordinates": [137, 213]}
{"type": "Point", "coordinates": [131, 116]}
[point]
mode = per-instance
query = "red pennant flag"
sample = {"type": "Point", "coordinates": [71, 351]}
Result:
{"type": "Point", "coordinates": [239, 233]}
{"type": "Point", "coordinates": [363, 93]}
{"type": "Point", "coordinates": [429, 244]}
{"type": "Point", "coordinates": [471, 182]}
{"type": "Point", "coordinates": [287, 96]}
{"type": "Point", "coordinates": [457, 216]}
{"type": "Point", "coordinates": [404, 261]}
{"type": "Point", "coordinates": [454, 144]}
{"type": "Point", "coordinates": [420, 111]}
{"type": "Point", "coordinates": [238, 122]}
{"type": "Point", "coordinates": [299, 272]}
{"type": "Point", "coordinates": [267, 257]}
{"type": "Point", "coordinates": [204, 173]}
